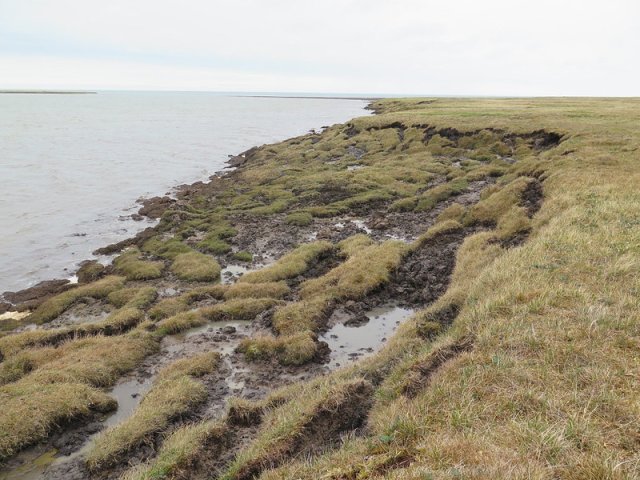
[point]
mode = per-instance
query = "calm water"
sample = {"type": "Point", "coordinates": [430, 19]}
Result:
{"type": "Point", "coordinates": [73, 166]}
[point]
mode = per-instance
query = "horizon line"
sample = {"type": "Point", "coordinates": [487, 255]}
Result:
{"type": "Point", "coordinates": [365, 96]}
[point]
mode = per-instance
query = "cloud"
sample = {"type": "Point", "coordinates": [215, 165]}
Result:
{"type": "Point", "coordinates": [494, 47]}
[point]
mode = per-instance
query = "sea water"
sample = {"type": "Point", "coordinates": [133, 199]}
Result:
{"type": "Point", "coordinates": [73, 165]}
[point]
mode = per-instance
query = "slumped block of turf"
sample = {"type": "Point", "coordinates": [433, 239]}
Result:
{"type": "Point", "coordinates": [175, 392]}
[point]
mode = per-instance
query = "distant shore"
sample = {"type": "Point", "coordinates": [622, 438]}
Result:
{"type": "Point", "coordinates": [368, 99]}
{"type": "Point", "coordinates": [48, 92]}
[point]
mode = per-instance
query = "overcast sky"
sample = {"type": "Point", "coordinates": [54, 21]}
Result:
{"type": "Point", "coordinates": [428, 47]}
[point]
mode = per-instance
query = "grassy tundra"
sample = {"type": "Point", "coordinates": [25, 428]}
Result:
{"type": "Point", "coordinates": [525, 364]}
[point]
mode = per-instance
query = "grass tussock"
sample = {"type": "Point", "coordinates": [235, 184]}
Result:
{"type": "Point", "coordinates": [359, 274]}
{"type": "Point", "coordinates": [257, 290]}
{"type": "Point", "coordinates": [133, 297]}
{"type": "Point", "coordinates": [168, 249]}
{"type": "Point", "coordinates": [31, 411]}
{"type": "Point", "coordinates": [133, 267]}
{"type": "Point", "coordinates": [216, 240]}
{"type": "Point", "coordinates": [290, 265]}
{"type": "Point", "coordinates": [302, 315]}
{"type": "Point", "coordinates": [173, 305]}
{"type": "Point", "coordinates": [300, 219]}
{"type": "Point", "coordinates": [196, 267]}
{"type": "Point", "coordinates": [66, 386]}
{"type": "Point", "coordinates": [168, 307]}
{"type": "Point", "coordinates": [294, 349]}
{"type": "Point", "coordinates": [354, 244]}
{"type": "Point", "coordinates": [180, 322]}
{"type": "Point", "coordinates": [10, 345]}
{"type": "Point", "coordinates": [243, 256]}
{"type": "Point", "coordinates": [174, 393]}
{"type": "Point", "coordinates": [55, 306]}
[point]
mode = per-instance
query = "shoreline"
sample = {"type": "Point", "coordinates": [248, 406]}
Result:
{"type": "Point", "coordinates": [115, 223]}
{"type": "Point", "coordinates": [377, 269]}
{"type": "Point", "coordinates": [47, 92]}
{"type": "Point", "coordinates": [366, 99]}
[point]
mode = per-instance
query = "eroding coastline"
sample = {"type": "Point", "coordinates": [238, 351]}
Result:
{"type": "Point", "coordinates": [331, 243]}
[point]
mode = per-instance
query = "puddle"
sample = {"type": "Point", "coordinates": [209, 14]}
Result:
{"type": "Point", "coordinates": [36, 460]}
{"type": "Point", "coordinates": [33, 463]}
{"type": "Point", "coordinates": [231, 273]}
{"type": "Point", "coordinates": [128, 394]}
{"type": "Point", "coordinates": [167, 292]}
{"type": "Point", "coordinates": [357, 222]}
{"type": "Point", "coordinates": [177, 343]}
{"type": "Point", "coordinates": [349, 344]}
{"type": "Point", "coordinates": [360, 224]}
{"type": "Point", "coordinates": [351, 168]}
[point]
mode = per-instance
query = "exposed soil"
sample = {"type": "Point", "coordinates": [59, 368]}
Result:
{"type": "Point", "coordinates": [424, 275]}
{"type": "Point", "coordinates": [154, 207]}
{"type": "Point", "coordinates": [532, 197]}
{"type": "Point", "coordinates": [31, 297]}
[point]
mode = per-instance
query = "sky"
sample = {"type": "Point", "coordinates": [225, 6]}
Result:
{"type": "Point", "coordinates": [403, 47]}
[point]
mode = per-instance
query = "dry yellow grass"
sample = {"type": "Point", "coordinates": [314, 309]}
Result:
{"type": "Point", "coordinates": [65, 387]}
{"type": "Point", "coordinates": [257, 290]}
{"type": "Point", "coordinates": [290, 265]}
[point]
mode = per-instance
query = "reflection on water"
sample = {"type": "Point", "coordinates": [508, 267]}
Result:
{"type": "Point", "coordinates": [33, 462]}
{"type": "Point", "coordinates": [231, 273]}
{"type": "Point", "coordinates": [353, 343]}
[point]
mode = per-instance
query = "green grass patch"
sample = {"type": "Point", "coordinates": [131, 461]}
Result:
{"type": "Point", "coordinates": [196, 266]}
{"type": "Point", "coordinates": [300, 219]}
{"type": "Point", "coordinates": [133, 267]}
{"type": "Point", "coordinates": [290, 265]}
{"type": "Point", "coordinates": [243, 256]}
